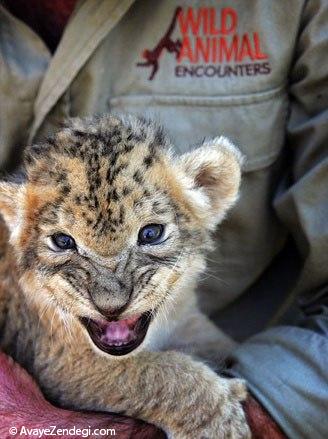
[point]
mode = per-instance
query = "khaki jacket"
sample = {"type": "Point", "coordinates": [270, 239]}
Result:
{"type": "Point", "coordinates": [255, 71]}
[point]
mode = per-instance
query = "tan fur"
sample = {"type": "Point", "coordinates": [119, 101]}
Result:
{"type": "Point", "coordinates": [100, 180]}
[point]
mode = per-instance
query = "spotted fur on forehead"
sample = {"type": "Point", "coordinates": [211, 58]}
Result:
{"type": "Point", "coordinates": [107, 136]}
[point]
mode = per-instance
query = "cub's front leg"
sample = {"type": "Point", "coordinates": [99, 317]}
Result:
{"type": "Point", "coordinates": [169, 389]}
{"type": "Point", "coordinates": [198, 336]}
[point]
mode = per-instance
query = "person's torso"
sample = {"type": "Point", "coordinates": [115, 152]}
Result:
{"type": "Point", "coordinates": [201, 69]}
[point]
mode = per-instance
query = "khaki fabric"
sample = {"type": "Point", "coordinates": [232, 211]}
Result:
{"type": "Point", "coordinates": [269, 95]}
{"type": "Point", "coordinates": [95, 70]}
{"type": "Point", "coordinates": [23, 62]}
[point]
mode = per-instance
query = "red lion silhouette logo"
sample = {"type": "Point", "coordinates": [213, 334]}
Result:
{"type": "Point", "coordinates": [166, 42]}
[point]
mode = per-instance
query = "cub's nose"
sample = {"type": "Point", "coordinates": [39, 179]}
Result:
{"type": "Point", "coordinates": [110, 297]}
{"type": "Point", "coordinates": [112, 313]}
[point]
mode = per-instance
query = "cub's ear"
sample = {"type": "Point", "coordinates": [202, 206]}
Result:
{"type": "Point", "coordinates": [10, 194]}
{"type": "Point", "coordinates": [215, 171]}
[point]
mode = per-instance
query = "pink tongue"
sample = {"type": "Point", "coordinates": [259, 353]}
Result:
{"type": "Point", "coordinates": [120, 332]}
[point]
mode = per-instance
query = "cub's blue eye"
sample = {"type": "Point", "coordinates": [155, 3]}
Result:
{"type": "Point", "coordinates": [151, 234]}
{"type": "Point", "coordinates": [63, 242]}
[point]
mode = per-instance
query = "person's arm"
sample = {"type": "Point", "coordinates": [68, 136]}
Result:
{"type": "Point", "coordinates": [260, 421]}
{"type": "Point", "coordinates": [287, 367]}
{"type": "Point", "coordinates": [23, 407]}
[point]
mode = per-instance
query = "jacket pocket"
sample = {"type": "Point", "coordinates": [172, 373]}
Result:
{"type": "Point", "coordinates": [254, 122]}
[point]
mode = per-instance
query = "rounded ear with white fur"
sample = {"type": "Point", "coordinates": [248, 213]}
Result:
{"type": "Point", "coordinates": [215, 172]}
{"type": "Point", "coordinates": [9, 202]}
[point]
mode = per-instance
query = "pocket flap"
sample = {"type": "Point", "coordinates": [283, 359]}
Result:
{"type": "Point", "coordinates": [254, 122]}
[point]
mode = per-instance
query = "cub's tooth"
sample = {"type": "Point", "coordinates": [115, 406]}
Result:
{"type": "Point", "coordinates": [119, 343]}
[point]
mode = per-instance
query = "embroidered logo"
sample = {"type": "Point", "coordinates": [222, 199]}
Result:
{"type": "Point", "coordinates": [209, 45]}
{"type": "Point", "coordinates": [165, 43]}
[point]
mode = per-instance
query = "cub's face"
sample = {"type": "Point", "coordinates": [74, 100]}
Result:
{"type": "Point", "coordinates": [110, 227]}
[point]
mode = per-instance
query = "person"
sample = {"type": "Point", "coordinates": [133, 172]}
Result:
{"type": "Point", "coordinates": [254, 71]}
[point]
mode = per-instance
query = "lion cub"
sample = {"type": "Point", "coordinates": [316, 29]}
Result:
{"type": "Point", "coordinates": [107, 235]}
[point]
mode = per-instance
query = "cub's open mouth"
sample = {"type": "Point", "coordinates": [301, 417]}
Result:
{"type": "Point", "coordinates": [118, 337]}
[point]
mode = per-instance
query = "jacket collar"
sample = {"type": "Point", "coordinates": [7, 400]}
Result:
{"type": "Point", "coordinates": [89, 25]}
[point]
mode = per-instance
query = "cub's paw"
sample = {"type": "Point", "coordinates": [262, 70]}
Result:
{"type": "Point", "coordinates": [232, 422]}
{"type": "Point", "coordinates": [216, 414]}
